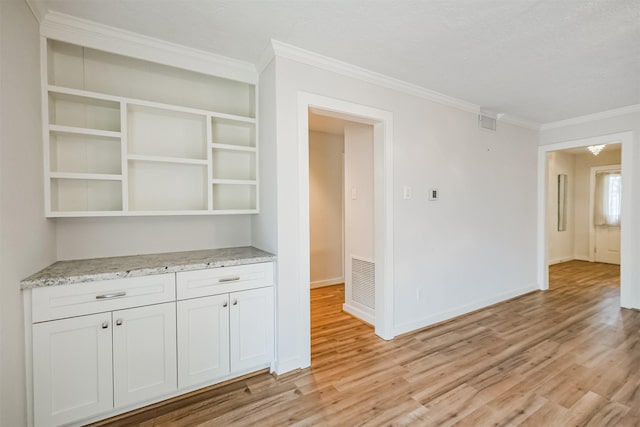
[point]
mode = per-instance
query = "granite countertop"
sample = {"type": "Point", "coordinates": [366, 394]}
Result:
{"type": "Point", "coordinates": [89, 270]}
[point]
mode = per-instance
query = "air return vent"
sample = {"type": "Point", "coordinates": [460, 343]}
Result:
{"type": "Point", "coordinates": [487, 122]}
{"type": "Point", "coordinates": [363, 275]}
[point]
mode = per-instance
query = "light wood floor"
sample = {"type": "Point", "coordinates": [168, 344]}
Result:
{"type": "Point", "coordinates": [566, 357]}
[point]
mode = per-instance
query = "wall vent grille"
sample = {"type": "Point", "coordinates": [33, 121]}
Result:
{"type": "Point", "coordinates": [363, 279]}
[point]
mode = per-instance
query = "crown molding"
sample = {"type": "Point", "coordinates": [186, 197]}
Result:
{"type": "Point", "coordinates": [38, 9]}
{"type": "Point", "coordinates": [517, 121]}
{"type": "Point", "coordinates": [91, 34]}
{"type": "Point", "coordinates": [330, 64]}
{"type": "Point", "coordinates": [268, 55]}
{"type": "Point", "coordinates": [294, 53]}
{"type": "Point", "coordinates": [592, 117]}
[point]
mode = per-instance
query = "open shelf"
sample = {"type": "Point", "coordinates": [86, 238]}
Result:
{"type": "Point", "coordinates": [80, 114]}
{"type": "Point", "coordinates": [156, 132]}
{"type": "Point", "coordinates": [234, 196]}
{"type": "Point", "coordinates": [233, 132]}
{"type": "Point", "coordinates": [85, 195]}
{"type": "Point", "coordinates": [84, 153]}
{"type": "Point", "coordinates": [167, 186]}
{"type": "Point", "coordinates": [125, 136]}
{"type": "Point", "coordinates": [232, 164]}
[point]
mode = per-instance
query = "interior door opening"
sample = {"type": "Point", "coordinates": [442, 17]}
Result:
{"type": "Point", "coordinates": [583, 206]}
{"type": "Point", "coordinates": [341, 224]}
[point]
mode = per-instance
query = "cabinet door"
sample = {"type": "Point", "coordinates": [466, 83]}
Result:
{"type": "Point", "coordinates": [203, 339]}
{"type": "Point", "coordinates": [72, 369]}
{"type": "Point", "coordinates": [144, 353]}
{"type": "Point", "coordinates": [251, 326]}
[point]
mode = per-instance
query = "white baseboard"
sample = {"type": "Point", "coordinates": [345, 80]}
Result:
{"type": "Point", "coordinates": [363, 313]}
{"type": "Point", "coordinates": [449, 314]}
{"type": "Point", "coordinates": [583, 258]}
{"type": "Point", "coordinates": [288, 366]}
{"type": "Point", "coordinates": [561, 260]}
{"type": "Point", "coordinates": [327, 282]}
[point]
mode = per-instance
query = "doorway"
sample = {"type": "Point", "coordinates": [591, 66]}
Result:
{"type": "Point", "coordinates": [341, 211]}
{"type": "Point", "coordinates": [627, 289]}
{"type": "Point", "coordinates": [382, 124]}
{"type": "Point", "coordinates": [605, 213]}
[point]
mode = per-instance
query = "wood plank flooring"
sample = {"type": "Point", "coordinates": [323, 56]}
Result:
{"type": "Point", "coordinates": [566, 357]}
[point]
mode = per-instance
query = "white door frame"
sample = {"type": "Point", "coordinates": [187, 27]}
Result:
{"type": "Point", "coordinates": [628, 291]}
{"type": "Point", "coordinates": [382, 122]}
{"type": "Point", "coordinates": [592, 189]}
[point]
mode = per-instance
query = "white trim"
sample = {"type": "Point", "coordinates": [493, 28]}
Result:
{"type": "Point", "coordinates": [363, 313]}
{"type": "Point", "coordinates": [383, 209]}
{"type": "Point", "coordinates": [592, 189]}
{"type": "Point", "coordinates": [628, 252]}
{"type": "Point", "coordinates": [591, 117]}
{"type": "Point", "coordinates": [561, 260]}
{"type": "Point", "coordinates": [38, 9]}
{"type": "Point", "coordinates": [327, 282]}
{"type": "Point", "coordinates": [517, 121]}
{"type": "Point", "coordinates": [284, 50]}
{"type": "Point", "coordinates": [465, 309]}
{"type": "Point", "coordinates": [91, 34]}
{"type": "Point", "coordinates": [580, 258]}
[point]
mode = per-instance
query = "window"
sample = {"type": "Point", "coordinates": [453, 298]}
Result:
{"type": "Point", "coordinates": [608, 198]}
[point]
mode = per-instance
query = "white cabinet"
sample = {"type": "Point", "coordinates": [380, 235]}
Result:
{"type": "Point", "coordinates": [203, 340]}
{"type": "Point", "coordinates": [98, 347]}
{"type": "Point", "coordinates": [90, 364]}
{"type": "Point", "coordinates": [144, 353]}
{"type": "Point", "coordinates": [72, 369]}
{"type": "Point", "coordinates": [224, 331]}
{"type": "Point", "coordinates": [101, 348]}
{"type": "Point", "coordinates": [251, 328]}
{"type": "Point", "coordinates": [123, 136]}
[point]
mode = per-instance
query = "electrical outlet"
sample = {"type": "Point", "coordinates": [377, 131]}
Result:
{"type": "Point", "coordinates": [434, 194]}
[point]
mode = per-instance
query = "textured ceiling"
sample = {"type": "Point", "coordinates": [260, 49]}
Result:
{"type": "Point", "coordinates": [541, 60]}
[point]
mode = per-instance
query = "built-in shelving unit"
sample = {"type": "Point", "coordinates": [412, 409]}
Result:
{"type": "Point", "coordinates": [123, 136]}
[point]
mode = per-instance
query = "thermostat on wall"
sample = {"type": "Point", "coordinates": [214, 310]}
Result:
{"type": "Point", "coordinates": [433, 194]}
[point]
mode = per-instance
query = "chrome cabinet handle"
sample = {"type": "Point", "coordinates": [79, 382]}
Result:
{"type": "Point", "coordinates": [229, 279]}
{"type": "Point", "coordinates": [113, 295]}
{"type": "Point", "coordinates": [105, 325]}
{"type": "Point", "coordinates": [225, 304]}
{"type": "Point", "coordinates": [119, 322]}
{"type": "Point", "coordinates": [235, 302]}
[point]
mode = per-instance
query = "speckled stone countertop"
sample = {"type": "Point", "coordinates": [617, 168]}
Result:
{"type": "Point", "coordinates": [89, 270]}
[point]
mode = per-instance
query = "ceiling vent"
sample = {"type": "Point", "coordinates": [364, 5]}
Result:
{"type": "Point", "coordinates": [488, 120]}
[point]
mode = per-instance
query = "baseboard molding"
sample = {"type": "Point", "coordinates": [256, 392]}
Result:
{"type": "Point", "coordinates": [327, 282]}
{"type": "Point", "coordinates": [582, 258]}
{"type": "Point", "coordinates": [561, 260]}
{"type": "Point", "coordinates": [465, 309]}
{"type": "Point", "coordinates": [283, 367]}
{"type": "Point", "coordinates": [364, 314]}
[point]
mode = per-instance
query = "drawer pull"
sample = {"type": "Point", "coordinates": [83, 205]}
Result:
{"type": "Point", "coordinates": [113, 295]}
{"type": "Point", "coordinates": [229, 279]}
{"type": "Point", "coordinates": [105, 325]}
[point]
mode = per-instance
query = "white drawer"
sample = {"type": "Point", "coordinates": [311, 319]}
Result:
{"type": "Point", "coordinates": [57, 302]}
{"type": "Point", "coordinates": [214, 281]}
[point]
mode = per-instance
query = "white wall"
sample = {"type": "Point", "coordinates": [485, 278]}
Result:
{"type": "Point", "coordinates": [99, 237]}
{"type": "Point", "coordinates": [583, 164]}
{"type": "Point", "coordinates": [560, 242]}
{"type": "Point", "coordinates": [325, 208]}
{"type": "Point", "coordinates": [606, 126]}
{"type": "Point", "coordinates": [265, 225]}
{"type": "Point", "coordinates": [27, 238]}
{"type": "Point", "coordinates": [359, 211]}
{"type": "Point", "coordinates": [475, 246]}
